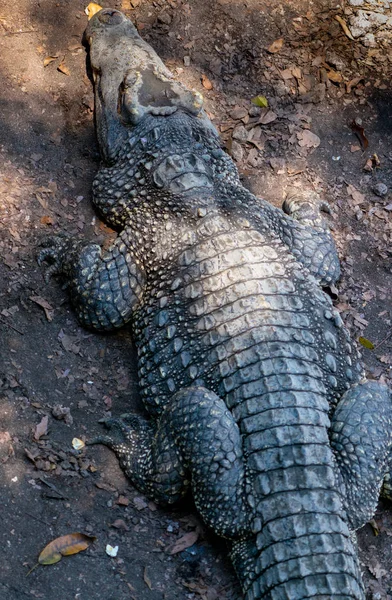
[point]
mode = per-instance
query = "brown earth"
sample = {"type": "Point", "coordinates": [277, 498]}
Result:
{"type": "Point", "coordinates": [317, 81]}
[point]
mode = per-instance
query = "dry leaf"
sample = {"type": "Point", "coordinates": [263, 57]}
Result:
{"type": "Point", "coordinates": [186, 541]}
{"type": "Point", "coordinates": [344, 26]}
{"type": "Point", "coordinates": [276, 46]}
{"type": "Point", "coordinates": [63, 69]}
{"type": "Point", "coordinates": [357, 197]}
{"type": "Point", "coordinates": [146, 578]}
{"type": "Point", "coordinates": [91, 9]}
{"type": "Point", "coordinates": [352, 83]}
{"type": "Point", "coordinates": [267, 117]}
{"type": "Point", "coordinates": [120, 524]}
{"type": "Point", "coordinates": [42, 428]}
{"type": "Point", "coordinates": [64, 546]}
{"type": "Point", "coordinates": [359, 131]}
{"type": "Point", "coordinates": [206, 82]}
{"type": "Point", "coordinates": [297, 73]}
{"type": "Point", "coordinates": [49, 311]}
{"type": "Point", "coordinates": [307, 139]}
{"type": "Point", "coordinates": [46, 220]}
{"type": "Point", "coordinates": [334, 76]}
{"type": "Point", "coordinates": [50, 59]}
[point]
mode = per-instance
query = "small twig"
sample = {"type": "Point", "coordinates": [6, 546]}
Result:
{"type": "Point", "coordinates": [18, 32]}
{"type": "Point", "coordinates": [54, 489]}
{"type": "Point", "coordinates": [383, 341]}
{"type": "Point", "coordinates": [38, 519]}
{"type": "Point", "coordinates": [11, 326]}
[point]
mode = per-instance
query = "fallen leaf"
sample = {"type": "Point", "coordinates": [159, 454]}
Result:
{"type": "Point", "coordinates": [46, 220]}
{"type": "Point", "coordinates": [366, 343]}
{"type": "Point", "coordinates": [375, 527]}
{"type": "Point", "coordinates": [287, 74]}
{"type": "Point", "coordinates": [260, 101]}
{"type": "Point", "coordinates": [101, 485]}
{"type": "Point", "coordinates": [206, 82]}
{"type": "Point", "coordinates": [91, 9]}
{"type": "Point", "coordinates": [344, 26]}
{"type": "Point", "coordinates": [146, 578]}
{"type": "Point", "coordinates": [4, 437]}
{"type": "Point", "coordinates": [186, 541]}
{"type": "Point", "coordinates": [297, 73]}
{"type": "Point", "coordinates": [63, 69]}
{"type": "Point", "coordinates": [42, 428]}
{"type": "Point", "coordinates": [386, 359]}
{"type": "Point", "coordinates": [359, 131]}
{"type": "Point", "coordinates": [276, 46]}
{"type": "Point", "coordinates": [355, 148]}
{"type": "Point", "coordinates": [120, 524]}
{"type": "Point", "coordinates": [357, 197]}
{"type": "Point", "coordinates": [267, 117]}
{"type": "Point", "coordinates": [64, 546]}
{"type": "Point", "coordinates": [70, 343]}
{"type": "Point", "coordinates": [50, 59]}
{"type": "Point", "coordinates": [334, 76]}
{"type": "Point", "coordinates": [353, 83]}
{"type": "Point", "coordinates": [307, 139]}
{"type": "Point", "coordinates": [49, 310]}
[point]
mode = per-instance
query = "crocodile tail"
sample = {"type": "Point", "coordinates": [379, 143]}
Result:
{"type": "Point", "coordinates": [304, 548]}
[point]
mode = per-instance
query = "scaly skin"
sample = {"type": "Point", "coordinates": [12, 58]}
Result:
{"type": "Point", "coordinates": [251, 380]}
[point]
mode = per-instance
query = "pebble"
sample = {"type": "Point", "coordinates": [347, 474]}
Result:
{"type": "Point", "coordinates": [380, 189]}
{"type": "Point", "coordinates": [237, 151]}
{"type": "Point", "coordinates": [240, 133]}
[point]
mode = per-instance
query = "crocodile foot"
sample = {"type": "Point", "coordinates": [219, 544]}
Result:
{"type": "Point", "coordinates": [305, 206]}
{"type": "Point", "coordinates": [54, 250]}
{"type": "Point", "coordinates": [124, 430]}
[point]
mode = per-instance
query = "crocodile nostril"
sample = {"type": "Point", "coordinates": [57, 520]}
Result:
{"type": "Point", "coordinates": [110, 16]}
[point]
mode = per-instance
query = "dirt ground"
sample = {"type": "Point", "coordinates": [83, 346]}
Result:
{"type": "Point", "coordinates": [323, 69]}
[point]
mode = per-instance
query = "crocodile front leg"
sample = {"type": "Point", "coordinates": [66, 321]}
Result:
{"type": "Point", "coordinates": [307, 235]}
{"type": "Point", "coordinates": [361, 437]}
{"type": "Point", "coordinates": [196, 441]}
{"type": "Point", "coordinates": [104, 286]}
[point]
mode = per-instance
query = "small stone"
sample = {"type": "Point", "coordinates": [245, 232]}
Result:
{"type": "Point", "coordinates": [359, 24]}
{"type": "Point", "coordinates": [240, 134]}
{"type": "Point", "coordinates": [380, 189]}
{"type": "Point", "coordinates": [237, 151]}
{"type": "Point", "coordinates": [187, 61]}
{"type": "Point", "coordinates": [165, 18]}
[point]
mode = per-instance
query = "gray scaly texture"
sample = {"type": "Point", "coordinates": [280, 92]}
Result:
{"type": "Point", "coordinates": [257, 400]}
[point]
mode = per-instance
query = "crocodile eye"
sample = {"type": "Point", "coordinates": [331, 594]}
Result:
{"type": "Point", "coordinates": [110, 17]}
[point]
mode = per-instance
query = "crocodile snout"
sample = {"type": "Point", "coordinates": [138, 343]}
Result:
{"type": "Point", "coordinates": [110, 16]}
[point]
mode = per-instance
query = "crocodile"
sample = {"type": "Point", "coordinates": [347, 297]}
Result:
{"type": "Point", "coordinates": [256, 397]}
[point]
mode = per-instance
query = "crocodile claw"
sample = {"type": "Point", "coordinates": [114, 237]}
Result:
{"type": "Point", "coordinates": [122, 429]}
{"type": "Point", "coordinates": [305, 206]}
{"type": "Point", "coordinates": [53, 251]}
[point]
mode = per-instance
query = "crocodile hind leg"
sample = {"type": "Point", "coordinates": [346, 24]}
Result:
{"type": "Point", "coordinates": [196, 440]}
{"type": "Point", "coordinates": [361, 437]}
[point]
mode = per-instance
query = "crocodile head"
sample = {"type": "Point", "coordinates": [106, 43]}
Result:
{"type": "Point", "coordinates": [130, 80]}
